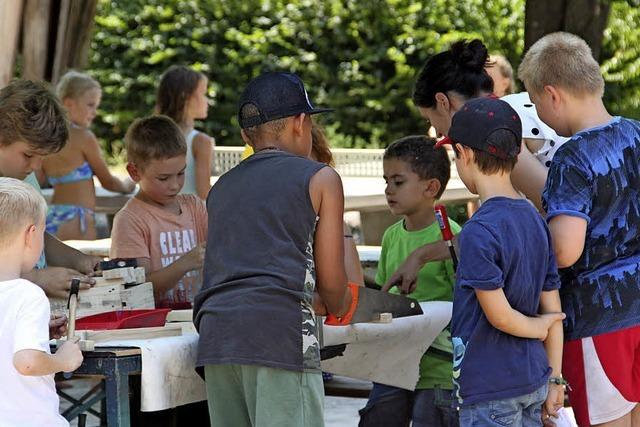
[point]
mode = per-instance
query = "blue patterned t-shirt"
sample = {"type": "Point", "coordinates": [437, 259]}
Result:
{"type": "Point", "coordinates": [596, 176]}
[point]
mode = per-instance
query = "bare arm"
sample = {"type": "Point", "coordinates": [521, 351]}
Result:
{"type": "Point", "coordinates": [62, 255]}
{"type": "Point", "coordinates": [529, 176]}
{"type": "Point", "coordinates": [568, 234]}
{"type": "Point", "coordinates": [168, 277]}
{"type": "Point", "coordinates": [550, 303]}
{"type": "Point", "coordinates": [93, 154]}
{"type": "Point", "coordinates": [203, 157]}
{"type": "Point", "coordinates": [504, 318]}
{"type": "Point", "coordinates": [327, 196]}
{"type": "Point", "coordinates": [37, 363]}
{"type": "Point", "coordinates": [351, 258]}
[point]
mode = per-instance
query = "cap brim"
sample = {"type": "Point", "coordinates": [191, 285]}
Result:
{"type": "Point", "coordinates": [320, 110]}
{"type": "Point", "coordinates": [444, 141]}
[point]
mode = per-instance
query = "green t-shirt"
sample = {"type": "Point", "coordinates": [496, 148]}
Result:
{"type": "Point", "coordinates": [435, 283]}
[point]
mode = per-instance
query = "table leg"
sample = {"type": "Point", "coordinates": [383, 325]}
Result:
{"type": "Point", "coordinates": [117, 394]}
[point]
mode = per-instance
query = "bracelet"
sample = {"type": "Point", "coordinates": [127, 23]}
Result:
{"type": "Point", "coordinates": [348, 236]}
{"type": "Point", "coordinates": [559, 381]}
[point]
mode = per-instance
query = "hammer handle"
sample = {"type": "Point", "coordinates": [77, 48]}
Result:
{"type": "Point", "coordinates": [73, 304]}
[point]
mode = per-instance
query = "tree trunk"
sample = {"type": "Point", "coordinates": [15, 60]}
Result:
{"type": "Point", "coordinates": [10, 13]}
{"type": "Point", "coordinates": [35, 44]}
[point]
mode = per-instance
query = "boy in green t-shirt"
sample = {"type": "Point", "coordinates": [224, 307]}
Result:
{"type": "Point", "coordinates": [416, 175]}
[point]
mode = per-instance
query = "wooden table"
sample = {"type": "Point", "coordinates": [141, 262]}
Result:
{"type": "Point", "coordinates": [115, 365]}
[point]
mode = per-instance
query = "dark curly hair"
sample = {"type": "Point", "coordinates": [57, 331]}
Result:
{"type": "Point", "coordinates": [425, 160]}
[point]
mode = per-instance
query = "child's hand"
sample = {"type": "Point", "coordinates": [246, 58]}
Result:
{"type": "Point", "coordinates": [194, 259]}
{"type": "Point", "coordinates": [56, 281]}
{"type": "Point", "coordinates": [406, 276]}
{"type": "Point", "coordinates": [555, 401]}
{"type": "Point", "coordinates": [70, 355]}
{"type": "Point", "coordinates": [545, 321]}
{"type": "Point", "coordinates": [57, 326]}
{"type": "Point", "coordinates": [318, 306]}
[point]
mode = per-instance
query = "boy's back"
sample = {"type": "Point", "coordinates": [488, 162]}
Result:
{"type": "Point", "coordinates": [504, 245]}
{"type": "Point", "coordinates": [24, 320]}
{"type": "Point", "coordinates": [258, 275]}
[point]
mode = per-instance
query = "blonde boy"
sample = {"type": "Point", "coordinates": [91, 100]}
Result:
{"type": "Point", "coordinates": [28, 395]}
{"type": "Point", "coordinates": [165, 231]}
{"type": "Point", "coordinates": [592, 203]}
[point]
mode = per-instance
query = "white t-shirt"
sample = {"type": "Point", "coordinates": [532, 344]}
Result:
{"type": "Point", "coordinates": [25, 401]}
{"type": "Point", "coordinates": [534, 128]}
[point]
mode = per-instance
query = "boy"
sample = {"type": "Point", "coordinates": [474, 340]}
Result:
{"type": "Point", "coordinates": [165, 231]}
{"type": "Point", "coordinates": [32, 125]}
{"type": "Point", "coordinates": [591, 199]}
{"type": "Point", "coordinates": [275, 227]}
{"type": "Point", "coordinates": [506, 276]}
{"type": "Point", "coordinates": [416, 175]}
{"type": "Point", "coordinates": [28, 394]}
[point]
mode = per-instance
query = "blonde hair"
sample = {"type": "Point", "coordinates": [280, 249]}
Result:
{"type": "Point", "coordinates": [504, 67]}
{"type": "Point", "coordinates": [563, 60]}
{"type": "Point", "coordinates": [74, 84]}
{"type": "Point", "coordinates": [20, 205]}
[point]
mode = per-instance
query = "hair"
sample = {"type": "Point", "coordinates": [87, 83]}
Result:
{"type": "Point", "coordinates": [320, 146]}
{"type": "Point", "coordinates": [154, 138]}
{"type": "Point", "coordinates": [29, 112]}
{"type": "Point", "coordinates": [271, 129]}
{"type": "Point", "coordinates": [459, 69]}
{"type": "Point", "coordinates": [489, 164]}
{"type": "Point", "coordinates": [177, 85]}
{"type": "Point", "coordinates": [20, 205]}
{"type": "Point", "coordinates": [563, 60]}
{"type": "Point", "coordinates": [74, 84]}
{"type": "Point", "coordinates": [504, 67]}
{"type": "Point", "coordinates": [425, 160]}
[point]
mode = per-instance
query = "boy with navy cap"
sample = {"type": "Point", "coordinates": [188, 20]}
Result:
{"type": "Point", "coordinates": [275, 237]}
{"type": "Point", "coordinates": [506, 299]}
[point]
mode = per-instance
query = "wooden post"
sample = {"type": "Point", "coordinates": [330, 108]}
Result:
{"type": "Point", "coordinates": [10, 13]}
{"type": "Point", "coordinates": [59, 57]}
{"type": "Point", "coordinates": [35, 44]}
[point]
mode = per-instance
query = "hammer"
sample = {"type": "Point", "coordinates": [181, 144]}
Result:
{"type": "Point", "coordinates": [72, 305]}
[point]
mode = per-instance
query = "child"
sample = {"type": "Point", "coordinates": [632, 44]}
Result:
{"type": "Point", "coordinates": [164, 230]}
{"type": "Point", "coordinates": [416, 175]}
{"type": "Point", "coordinates": [33, 125]}
{"type": "Point", "coordinates": [182, 95]}
{"type": "Point", "coordinates": [275, 226]}
{"type": "Point", "coordinates": [591, 199]}
{"type": "Point", "coordinates": [506, 276]}
{"type": "Point", "coordinates": [501, 72]}
{"type": "Point", "coordinates": [28, 394]}
{"type": "Point", "coordinates": [70, 171]}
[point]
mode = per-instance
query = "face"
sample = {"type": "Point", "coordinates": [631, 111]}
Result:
{"type": "Point", "coordinates": [162, 179]}
{"type": "Point", "coordinates": [465, 169]}
{"type": "Point", "coordinates": [198, 103]}
{"type": "Point", "coordinates": [19, 159]}
{"type": "Point", "coordinates": [438, 118]}
{"type": "Point", "coordinates": [500, 82]}
{"type": "Point", "coordinates": [83, 110]}
{"type": "Point", "coordinates": [405, 191]}
{"type": "Point", "coordinates": [34, 245]}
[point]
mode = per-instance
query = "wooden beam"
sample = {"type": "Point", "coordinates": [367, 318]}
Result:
{"type": "Point", "coordinates": [10, 13]}
{"type": "Point", "coordinates": [35, 44]}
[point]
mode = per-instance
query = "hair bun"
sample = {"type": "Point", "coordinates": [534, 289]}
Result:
{"type": "Point", "coordinates": [471, 55]}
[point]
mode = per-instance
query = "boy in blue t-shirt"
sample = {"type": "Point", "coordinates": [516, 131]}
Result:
{"type": "Point", "coordinates": [507, 275]}
{"type": "Point", "coordinates": [416, 174]}
{"type": "Point", "coordinates": [593, 209]}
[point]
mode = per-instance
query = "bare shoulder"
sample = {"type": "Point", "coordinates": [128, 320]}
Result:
{"type": "Point", "coordinates": [326, 177]}
{"type": "Point", "coordinates": [202, 138]}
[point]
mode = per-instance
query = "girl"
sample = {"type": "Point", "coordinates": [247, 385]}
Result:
{"type": "Point", "coordinates": [182, 95]}
{"type": "Point", "coordinates": [70, 171]}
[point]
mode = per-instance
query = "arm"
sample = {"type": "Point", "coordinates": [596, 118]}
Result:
{"type": "Point", "coordinates": [529, 176]}
{"type": "Point", "coordinates": [351, 258]}
{"type": "Point", "coordinates": [504, 318]}
{"type": "Point", "coordinates": [38, 363]}
{"type": "Point", "coordinates": [168, 277]}
{"type": "Point", "coordinates": [61, 255]}
{"type": "Point", "coordinates": [568, 234]}
{"type": "Point", "coordinates": [550, 303]}
{"type": "Point", "coordinates": [93, 154]}
{"type": "Point", "coordinates": [203, 157]}
{"type": "Point", "coordinates": [327, 196]}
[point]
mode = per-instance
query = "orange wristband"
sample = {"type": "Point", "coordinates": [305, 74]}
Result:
{"type": "Point", "coordinates": [333, 320]}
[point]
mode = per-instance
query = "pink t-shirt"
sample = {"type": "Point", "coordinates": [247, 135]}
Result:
{"type": "Point", "coordinates": [141, 230]}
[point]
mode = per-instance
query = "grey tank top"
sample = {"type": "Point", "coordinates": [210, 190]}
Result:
{"type": "Point", "coordinates": [254, 307]}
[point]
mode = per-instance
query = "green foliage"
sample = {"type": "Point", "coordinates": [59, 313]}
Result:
{"type": "Point", "coordinates": [358, 56]}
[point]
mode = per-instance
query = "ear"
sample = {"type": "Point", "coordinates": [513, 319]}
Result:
{"type": "Point", "coordinates": [432, 188]}
{"type": "Point", "coordinates": [465, 154]}
{"type": "Point", "coordinates": [68, 103]}
{"type": "Point", "coordinates": [555, 94]}
{"type": "Point", "coordinates": [134, 172]}
{"type": "Point", "coordinates": [298, 124]}
{"type": "Point", "coordinates": [442, 101]}
{"type": "Point", "coordinates": [246, 139]}
{"type": "Point", "coordinates": [30, 235]}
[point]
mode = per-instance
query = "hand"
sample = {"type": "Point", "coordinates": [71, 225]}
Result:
{"type": "Point", "coordinates": [545, 321]}
{"type": "Point", "coordinates": [318, 305]}
{"type": "Point", "coordinates": [70, 355]}
{"type": "Point", "coordinates": [56, 281]}
{"type": "Point", "coordinates": [57, 326]}
{"type": "Point", "coordinates": [406, 276]}
{"type": "Point", "coordinates": [87, 264]}
{"type": "Point", "coordinates": [555, 401]}
{"type": "Point", "coordinates": [194, 259]}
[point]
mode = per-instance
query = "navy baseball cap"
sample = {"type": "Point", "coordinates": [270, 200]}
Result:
{"type": "Point", "coordinates": [275, 95]}
{"type": "Point", "coordinates": [472, 125]}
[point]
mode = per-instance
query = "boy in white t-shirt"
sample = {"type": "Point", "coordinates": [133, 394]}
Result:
{"type": "Point", "coordinates": [28, 395]}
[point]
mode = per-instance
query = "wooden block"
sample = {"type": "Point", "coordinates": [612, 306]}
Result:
{"type": "Point", "coordinates": [141, 274]}
{"type": "Point", "coordinates": [180, 316]}
{"type": "Point", "coordinates": [134, 334]}
{"type": "Point", "coordinates": [101, 281]}
{"type": "Point", "coordinates": [85, 345]}
{"type": "Point", "coordinates": [383, 318]}
{"type": "Point", "coordinates": [138, 296]}
{"type": "Point", "coordinates": [128, 274]}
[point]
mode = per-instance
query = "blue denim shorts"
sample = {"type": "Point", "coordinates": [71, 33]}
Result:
{"type": "Point", "coordinates": [525, 411]}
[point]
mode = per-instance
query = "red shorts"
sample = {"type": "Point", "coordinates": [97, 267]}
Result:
{"type": "Point", "coordinates": [604, 374]}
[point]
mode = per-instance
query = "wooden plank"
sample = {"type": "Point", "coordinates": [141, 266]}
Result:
{"type": "Point", "coordinates": [35, 43]}
{"type": "Point", "coordinates": [133, 334]}
{"type": "Point", "coordinates": [138, 296]}
{"type": "Point", "coordinates": [10, 13]}
{"type": "Point", "coordinates": [128, 274]}
{"type": "Point", "coordinates": [180, 316]}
